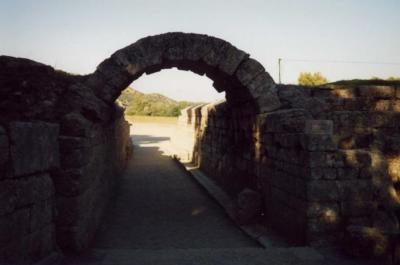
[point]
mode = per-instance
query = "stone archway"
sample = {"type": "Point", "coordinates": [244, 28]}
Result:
{"type": "Point", "coordinates": [232, 70]}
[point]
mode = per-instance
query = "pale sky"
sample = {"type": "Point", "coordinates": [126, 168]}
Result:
{"type": "Point", "coordinates": [76, 36]}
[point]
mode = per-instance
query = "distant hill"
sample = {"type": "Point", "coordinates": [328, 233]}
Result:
{"type": "Point", "coordinates": [138, 103]}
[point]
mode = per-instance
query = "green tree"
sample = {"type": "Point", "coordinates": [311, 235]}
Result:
{"type": "Point", "coordinates": [311, 79]}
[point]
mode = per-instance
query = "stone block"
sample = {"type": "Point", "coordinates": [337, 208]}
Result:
{"type": "Point", "coordinates": [348, 173]}
{"type": "Point", "coordinates": [288, 221]}
{"type": "Point", "coordinates": [328, 173]}
{"type": "Point", "coordinates": [356, 190]}
{"type": "Point", "coordinates": [393, 169]}
{"type": "Point", "coordinates": [359, 221]}
{"type": "Point", "coordinates": [386, 221]}
{"type": "Point", "coordinates": [318, 142]}
{"type": "Point", "coordinates": [175, 51]}
{"type": "Point", "coordinates": [381, 119]}
{"type": "Point", "coordinates": [354, 140]}
{"type": "Point", "coordinates": [118, 77]}
{"type": "Point", "coordinates": [72, 182]}
{"type": "Point", "coordinates": [323, 191]}
{"type": "Point", "coordinates": [4, 148]}
{"type": "Point", "coordinates": [69, 144]}
{"type": "Point", "coordinates": [363, 241]}
{"type": "Point", "coordinates": [322, 210]}
{"type": "Point", "coordinates": [196, 46]}
{"type": "Point", "coordinates": [4, 154]}
{"type": "Point", "coordinates": [328, 223]}
{"type": "Point", "coordinates": [359, 119]}
{"type": "Point", "coordinates": [287, 140]}
{"type": "Point", "coordinates": [8, 197]}
{"type": "Point", "coordinates": [34, 147]}
{"type": "Point", "coordinates": [98, 83]}
{"type": "Point", "coordinates": [77, 158]}
{"type": "Point", "coordinates": [358, 208]}
{"type": "Point", "coordinates": [377, 91]}
{"type": "Point", "coordinates": [215, 53]}
{"type": "Point", "coordinates": [290, 93]}
{"type": "Point", "coordinates": [42, 214]}
{"type": "Point", "coordinates": [248, 70]}
{"type": "Point", "coordinates": [386, 105]}
{"type": "Point", "coordinates": [268, 102]}
{"type": "Point", "coordinates": [81, 98]}
{"type": "Point", "coordinates": [232, 59]}
{"type": "Point", "coordinates": [74, 124]}
{"type": "Point", "coordinates": [34, 189]}
{"type": "Point", "coordinates": [74, 239]}
{"type": "Point", "coordinates": [262, 83]}
{"type": "Point", "coordinates": [289, 183]}
{"type": "Point", "coordinates": [249, 205]}
{"type": "Point", "coordinates": [392, 143]}
{"type": "Point", "coordinates": [357, 158]}
{"type": "Point", "coordinates": [41, 243]}
{"type": "Point", "coordinates": [144, 55]}
{"type": "Point", "coordinates": [74, 210]}
{"type": "Point", "coordinates": [325, 159]}
{"type": "Point", "coordinates": [292, 121]}
{"type": "Point", "coordinates": [344, 92]}
{"type": "Point", "coordinates": [318, 127]}
{"type": "Point", "coordinates": [14, 226]}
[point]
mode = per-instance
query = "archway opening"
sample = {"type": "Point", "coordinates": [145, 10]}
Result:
{"type": "Point", "coordinates": [158, 106]}
{"type": "Point", "coordinates": [228, 137]}
{"type": "Point", "coordinates": [242, 78]}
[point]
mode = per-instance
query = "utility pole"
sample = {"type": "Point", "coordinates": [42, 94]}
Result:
{"type": "Point", "coordinates": [279, 69]}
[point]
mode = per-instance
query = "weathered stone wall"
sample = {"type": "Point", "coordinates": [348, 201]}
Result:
{"type": "Point", "coordinates": [326, 163]}
{"type": "Point", "coordinates": [87, 180]}
{"type": "Point", "coordinates": [29, 153]}
{"type": "Point", "coordinates": [184, 136]}
{"type": "Point", "coordinates": [366, 181]}
{"type": "Point", "coordinates": [359, 176]}
{"type": "Point", "coordinates": [61, 152]}
{"type": "Point", "coordinates": [268, 153]}
{"type": "Point", "coordinates": [325, 160]}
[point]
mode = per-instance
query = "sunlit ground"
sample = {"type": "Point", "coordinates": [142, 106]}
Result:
{"type": "Point", "coordinates": [153, 131]}
{"type": "Point", "coordinates": [152, 119]}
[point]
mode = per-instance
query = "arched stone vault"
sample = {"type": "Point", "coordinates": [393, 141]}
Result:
{"type": "Point", "coordinates": [232, 70]}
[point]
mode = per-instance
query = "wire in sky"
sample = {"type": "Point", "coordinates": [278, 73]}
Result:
{"type": "Point", "coordinates": [339, 61]}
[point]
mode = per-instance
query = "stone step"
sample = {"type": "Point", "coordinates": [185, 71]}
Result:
{"type": "Point", "coordinates": [205, 256]}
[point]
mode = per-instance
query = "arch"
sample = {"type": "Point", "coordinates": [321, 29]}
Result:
{"type": "Point", "coordinates": [232, 70]}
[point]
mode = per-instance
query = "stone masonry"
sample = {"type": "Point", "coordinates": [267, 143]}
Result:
{"type": "Point", "coordinates": [326, 165]}
{"type": "Point", "coordinates": [61, 152]}
{"type": "Point", "coordinates": [324, 160]}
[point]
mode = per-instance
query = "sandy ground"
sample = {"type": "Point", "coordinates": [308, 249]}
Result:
{"type": "Point", "coordinates": [149, 134]}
